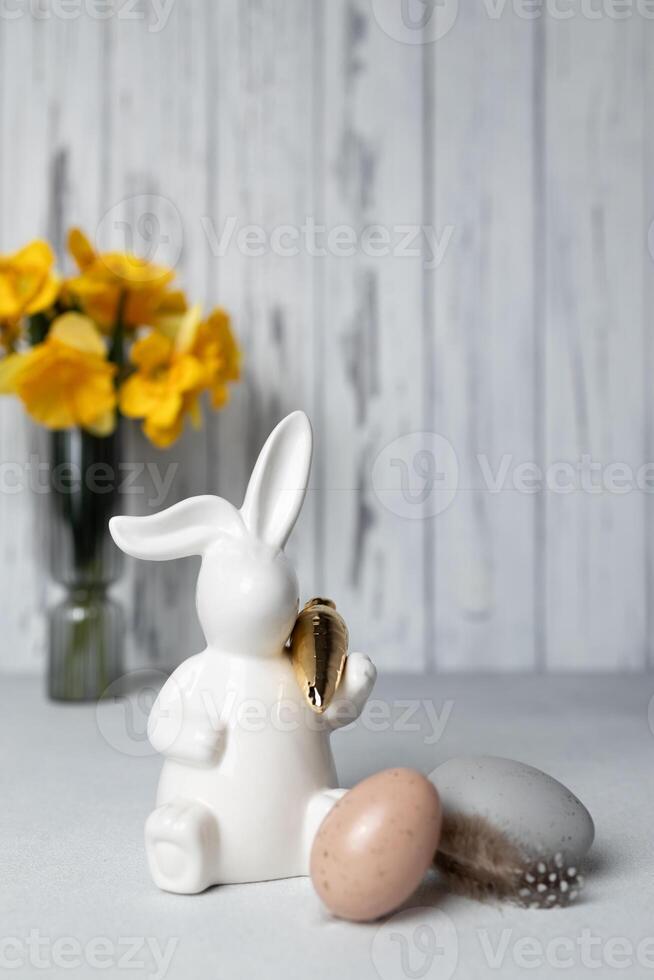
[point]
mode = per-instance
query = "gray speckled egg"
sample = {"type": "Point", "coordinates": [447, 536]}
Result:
{"type": "Point", "coordinates": [534, 810]}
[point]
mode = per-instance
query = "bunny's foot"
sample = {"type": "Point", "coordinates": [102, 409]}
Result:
{"type": "Point", "coordinates": [318, 808]}
{"type": "Point", "coordinates": [181, 838]}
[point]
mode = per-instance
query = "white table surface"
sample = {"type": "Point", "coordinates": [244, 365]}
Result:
{"type": "Point", "coordinates": [76, 789]}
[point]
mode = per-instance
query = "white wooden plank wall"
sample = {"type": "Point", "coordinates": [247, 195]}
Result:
{"type": "Point", "coordinates": [371, 311]}
{"type": "Point", "coordinates": [596, 232]}
{"type": "Point", "coordinates": [523, 141]}
{"type": "Point", "coordinates": [262, 174]}
{"type": "Point", "coordinates": [485, 542]}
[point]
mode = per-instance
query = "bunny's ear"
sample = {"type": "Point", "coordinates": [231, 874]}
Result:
{"type": "Point", "coordinates": [279, 481]}
{"type": "Point", "coordinates": [184, 529]}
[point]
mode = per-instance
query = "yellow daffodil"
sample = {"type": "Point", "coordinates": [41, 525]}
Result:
{"type": "Point", "coordinates": [212, 342]}
{"type": "Point", "coordinates": [27, 282]}
{"type": "Point", "coordinates": [66, 380]}
{"type": "Point", "coordinates": [216, 347]}
{"type": "Point", "coordinates": [170, 313]}
{"type": "Point", "coordinates": [164, 388]}
{"type": "Point", "coordinates": [113, 282]}
{"type": "Point", "coordinates": [175, 363]}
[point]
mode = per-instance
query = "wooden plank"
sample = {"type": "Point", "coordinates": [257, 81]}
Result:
{"type": "Point", "coordinates": [648, 331]}
{"type": "Point", "coordinates": [261, 174]}
{"type": "Point", "coordinates": [153, 203]}
{"type": "Point", "coordinates": [484, 339]}
{"type": "Point", "coordinates": [596, 230]}
{"type": "Point", "coordinates": [23, 206]}
{"type": "Point", "coordinates": [50, 154]}
{"type": "Point", "coordinates": [371, 338]}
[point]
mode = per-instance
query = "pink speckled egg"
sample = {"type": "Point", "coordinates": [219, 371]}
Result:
{"type": "Point", "coordinates": [374, 846]}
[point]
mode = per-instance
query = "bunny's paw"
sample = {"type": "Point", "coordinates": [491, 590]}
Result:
{"type": "Point", "coordinates": [362, 671]}
{"type": "Point", "coordinates": [181, 838]}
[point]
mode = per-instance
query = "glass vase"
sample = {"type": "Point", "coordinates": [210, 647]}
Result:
{"type": "Point", "coordinates": [86, 629]}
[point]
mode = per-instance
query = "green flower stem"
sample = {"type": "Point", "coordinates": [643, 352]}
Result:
{"type": "Point", "coordinates": [37, 328]}
{"type": "Point", "coordinates": [117, 349]}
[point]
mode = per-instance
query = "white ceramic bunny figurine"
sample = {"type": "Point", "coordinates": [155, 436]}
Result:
{"type": "Point", "coordinates": [249, 773]}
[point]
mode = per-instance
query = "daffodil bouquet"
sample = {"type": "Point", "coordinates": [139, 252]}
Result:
{"type": "Point", "coordinates": [116, 337]}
